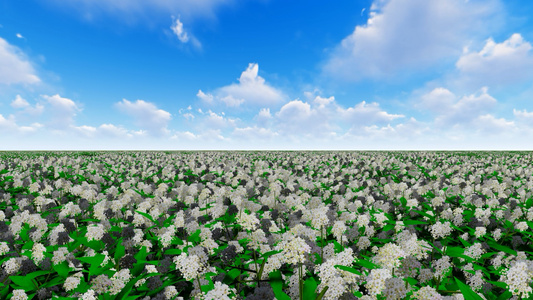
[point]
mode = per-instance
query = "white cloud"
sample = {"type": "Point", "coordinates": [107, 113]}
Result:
{"type": "Point", "coordinates": [14, 67]}
{"type": "Point", "coordinates": [104, 130]}
{"type": "Point", "coordinates": [254, 133]}
{"type": "Point", "coordinates": [364, 114]}
{"type": "Point", "coordinates": [408, 35]}
{"type": "Point", "coordinates": [19, 36]}
{"type": "Point", "coordinates": [490, 125]}
{"type": "Point", "coordinates": [263, 117]}
{"type": "Point", "coordinates": [177, 28]}
{"type": "Point", "coordinates": [205, 97]}
{"type": "Point", "coordinates": [113, 131]}
{"type": "Point", "coordinates": [450, 112]}
{"type": "Point", "coordinates": [251, 89]}
{"type": "Point", "coordinates": [187, 135]}
{"type": "Point", "coordinates": [63, 111]}
{"type": "Point", "coordinates": [215, 121]}
{"type": "Point", "coordinates": [508, 62]}
{"type": "Point", "coordinates": [10, 126]}
{"type": "Point", "coordinates": [438, 100]}
{"type": "Point", "coordinates": [297, 117]}
{"type": "Point", "coordinates": [19, 102]}
{"type": "Point", "coordinates": [147, 116]}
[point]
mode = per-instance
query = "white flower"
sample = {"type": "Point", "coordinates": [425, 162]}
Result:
{"type": "Point", "coordinates": [72, 282]}
{"type": "Point", "coordinates": [522, 226]}
{"type": "Point", "coordinates": [60, 255]}
{"type": "Point", "coordinates": [170, 291]}
{"type": "Point", "coordinates": [220, 292]}
{"type": "Point", "coordinates": [247, 221]}
{"type": "Point", "coordinates": [4, 248]}
{"type": "Point", "coordinates": [11, 266]}
{"type": "Point", "coordinates": [480, 231]}
{"type": "Point", "coordinates": [95, 232]}
{"type": "Point", "coordinates": [189, 266]}
{"type": "Point", "coordinates": [294, 250]}
{"type": "Point", "coordinates": [38, 251]}
{"type": "Point", "coordinates": [89, 295]}
{"type": "Point", "coordinates": [388, 256]}
{"type": "Point", "coordinates": [376, 281]}
{"type": "Point", "coordinates": [427, 293]}
{"type": "Point", "coordinates": [440, 230]}
{"type": "Point", "coordinates": [19, 295]}
{"type": "Point", "coordinates": [518, 279]}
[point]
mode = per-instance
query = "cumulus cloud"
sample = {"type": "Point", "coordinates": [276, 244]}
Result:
{"type": "Point", "coordinates": [21, 103]}
{"type": "Point", "coordinates": [449, 111]}
{"type": "Point", "coordinates": [364, 114]}
{"type": "Point", "coordinates": [9, 126]}
{"type": "Point", "coordinates": [208, 98]}
{"type": "Point", "coordinates": [323, 117]}
{"type": "Point", "coordinates": [408, 35]}
{"type": "Point", "coordinates": [147, 116]}
{"type": "Point", "coordinates": [63, 111]}
{"type": "Point", "coordinates": [14, 66]}
{"type": "Point", "coordinates": [254, 133]}
{"type": "Point", "coordinates": [251, 89]}
{"type": "Point", "coordinates": [508, 62]}
{"type": "Point", "coordinates": [263, 117]}
{"type": "Point", "coordinates": [490, 125]}
{"type": "Point", "coordinates": [104, 130]}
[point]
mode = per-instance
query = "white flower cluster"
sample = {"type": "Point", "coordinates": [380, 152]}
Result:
{"type": "Point", "coordinates": [247, 221]}
{"type": "Point", "coordinates": [294, 251]}
{"type": "Point", "coordinates": [189, 265]}
{"type": "Point", "coordinates": [337, 280]}
{"type": "Point", "coordinates": [376, 281]}
{"type": "Point", "coordinates": [440, 230]}
{"type": "Point", "coordinates": [518, 278]}
{"type": "Point", "coordinates": [388, 256]}
{"type": "Point", "coordinates": [220, 292]}
{"type": "Point", "coordinates": [72, 281]}
{"type": "Point", "coordinates": [94, 232]}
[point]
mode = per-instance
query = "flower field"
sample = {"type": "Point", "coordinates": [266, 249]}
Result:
{"type": "Point", "coordinates": [266, 225]}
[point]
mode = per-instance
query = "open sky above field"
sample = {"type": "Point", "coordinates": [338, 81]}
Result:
{"type": "Point", "coordinates": [266, 74]}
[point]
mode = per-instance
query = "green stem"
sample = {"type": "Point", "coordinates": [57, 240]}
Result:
{"type": "Point", "coordinates": [256, 268]}
{"type": "Point", "coordinates": [322, 244]}
{"type": "Point", "coordinates": [300, 282]}
{"type": "Point", "coordinates": [199, 285]}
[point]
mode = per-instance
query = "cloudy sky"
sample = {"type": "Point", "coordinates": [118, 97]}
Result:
{"type": "Point", "coordinates": [266, 74]}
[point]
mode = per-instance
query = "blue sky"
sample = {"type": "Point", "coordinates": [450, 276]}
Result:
{"type": "Point", "coordinates": [266, 74]}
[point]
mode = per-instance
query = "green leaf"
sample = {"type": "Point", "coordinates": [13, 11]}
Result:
{"type": "Point", "coordinates": [276, 282]}
{"type": "Point", "coordinates": [348, 269]}
{"type": "Point", "coordinates": [120, 250]}
{"type": "Point", "coordinates": [324, 290]}
{"type": "Point", "coordinates": [501, 247]}
{"type": "Point", "coordinates": [146, 215]}
{"type": "Point", "coordinates": [413, 222]}
{"type": "Point", "coordinates": [423, 214]}
{"type": "Point", "coordinates": [23, 282]}
{"type": "Point", "coordinates": [310, 288]}
{"type": "Point", "coordinates": [505, 296]}
{"type": "Point", "coordinates": [95, 262]}
{"type": "Point", "coordinates": [173, 251]}
{"type": "Point", "coordinates": [62, 269]}
{"type": "Point", "coordinates": [467, 292]}
{"type": "Point", "coordinates": [367, 264]}
{"type": "Point", "coordinates": [388, 227]}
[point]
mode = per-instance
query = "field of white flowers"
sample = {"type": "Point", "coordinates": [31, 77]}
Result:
{"type": "Point", "coordinates": [266, 225]}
